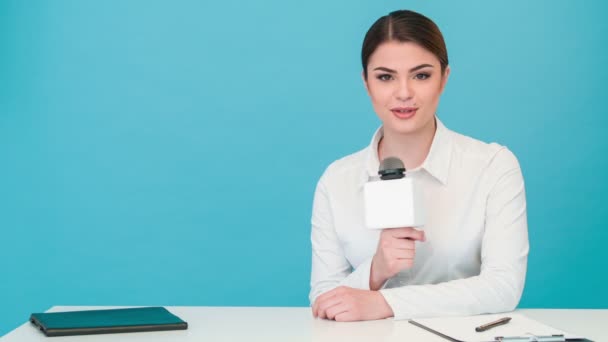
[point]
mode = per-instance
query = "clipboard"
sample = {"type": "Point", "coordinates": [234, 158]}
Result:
{"type": "Point", "coordinates": [522, 329]}
{"type": "Point", "coordinates": [107, 321]}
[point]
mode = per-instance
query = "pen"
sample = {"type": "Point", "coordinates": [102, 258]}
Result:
{"type": "Point", "coordinates": [533, 338]}
{"type": "Point", "coordinates": [491, 325]}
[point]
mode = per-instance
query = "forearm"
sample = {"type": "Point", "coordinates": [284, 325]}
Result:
{"type": "Point", "coordinates": [487, 293]}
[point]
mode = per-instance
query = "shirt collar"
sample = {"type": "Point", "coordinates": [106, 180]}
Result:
{"type": "Point", "coordinates": [437, 162]}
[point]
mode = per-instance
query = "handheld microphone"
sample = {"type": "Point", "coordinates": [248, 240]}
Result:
{"type": "Point", "coordinates": [394, 201]}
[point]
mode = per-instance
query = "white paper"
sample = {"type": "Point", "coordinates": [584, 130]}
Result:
{"type": "Point", "coordinates": [463, 328]}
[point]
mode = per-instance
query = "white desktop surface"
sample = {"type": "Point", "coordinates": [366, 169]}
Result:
{"type": "Point", "coordinates": [274, 324]}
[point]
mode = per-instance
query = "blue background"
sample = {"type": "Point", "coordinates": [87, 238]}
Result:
{"type": "Point", "coordinates": [166, 152]}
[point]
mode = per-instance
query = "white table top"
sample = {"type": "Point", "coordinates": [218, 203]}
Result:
{"type": "Point", "coordinates": [270, 324]}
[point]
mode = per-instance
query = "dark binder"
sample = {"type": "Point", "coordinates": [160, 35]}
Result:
{"type": "Point", "coordinates": [107, 321]}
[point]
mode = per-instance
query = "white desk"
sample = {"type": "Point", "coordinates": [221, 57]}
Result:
{"type": "Point", "coordinates": [210, 324]}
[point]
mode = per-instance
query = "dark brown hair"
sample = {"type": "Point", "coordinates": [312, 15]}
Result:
{"type": "Point", "coordinates": [405, 26]}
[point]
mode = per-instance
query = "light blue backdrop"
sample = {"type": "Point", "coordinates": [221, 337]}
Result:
{"type": "Point", "coordinates": [166, 152]}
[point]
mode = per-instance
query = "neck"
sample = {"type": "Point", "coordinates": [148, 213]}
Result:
{"type": "Point", "coordinates": [412, 148]}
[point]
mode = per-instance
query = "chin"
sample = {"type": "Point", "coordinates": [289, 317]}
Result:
{"type": "Point", "coordinates": [409, 126]}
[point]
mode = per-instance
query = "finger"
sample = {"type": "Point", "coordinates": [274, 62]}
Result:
{"type": "Point", "coordinates": [397, 254]}
{"type": "Point", "coordinates": [321, 299]}
{"type": "Point", "coordinates": [403, 244]}
{"type": "Point", "coordinates": [401, 253]}
{"type": "Point", "coordinates": [331, 313]}
{"type": "Point", "coordinates": [315, 307]}
{"type": "Point", "coordinates": [328, 304]}
{"type": "Point", "coordinates": [408, 233]}
{"type": "Point", "coordinates": [346, 316]}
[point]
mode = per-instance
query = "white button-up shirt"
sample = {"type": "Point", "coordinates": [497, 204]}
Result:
{"type": "Point", "coordinates": [475, 255]}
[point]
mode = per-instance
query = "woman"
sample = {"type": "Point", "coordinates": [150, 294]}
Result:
{"type": "Point", "coordinates": [471, 255]}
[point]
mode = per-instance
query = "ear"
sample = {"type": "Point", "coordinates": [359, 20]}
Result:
{"type": "Point", "coordinates": [365, 82]}
{"type": "Point", "coordinates": [444, 79]}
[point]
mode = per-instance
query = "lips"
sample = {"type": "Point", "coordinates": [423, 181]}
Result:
{"type": "Point", "coordinates": [404, 112]}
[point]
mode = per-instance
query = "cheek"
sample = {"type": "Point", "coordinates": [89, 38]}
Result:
{"type": "Point", "coordinates": [380, 95]}
{"type": "Point", "coordinates": [429, 93]}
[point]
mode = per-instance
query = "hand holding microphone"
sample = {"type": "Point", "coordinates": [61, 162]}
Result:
{"type": "Point", "coordinates": [395, 252]}
{"type": "Point", "coordinates": [394, 204]}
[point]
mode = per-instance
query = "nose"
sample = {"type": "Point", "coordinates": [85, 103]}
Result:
{"type": "Point", "coordinates": [404, 90]}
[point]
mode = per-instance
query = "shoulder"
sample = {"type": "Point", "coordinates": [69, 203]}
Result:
{"type": "Point", "coordinates": [346, 170]}
{"type": "Point", "coordinates": [493, 156]}
{"type": "Point", "coordinates": [351, 163]}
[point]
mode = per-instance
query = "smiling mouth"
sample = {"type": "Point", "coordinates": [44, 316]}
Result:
{"type": "Point", "coordinates": [408, 110]}
{"type": "Point", "coordinates": [404, 112]}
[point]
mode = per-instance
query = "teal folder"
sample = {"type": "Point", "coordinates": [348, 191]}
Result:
{"type": "Point", "coordinates": [107, 321]}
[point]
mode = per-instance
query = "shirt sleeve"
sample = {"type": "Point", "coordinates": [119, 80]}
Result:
{"type": "Point", "coordinates": [504, 255]}
{"type": "Point", "coordinates": [330, 268]}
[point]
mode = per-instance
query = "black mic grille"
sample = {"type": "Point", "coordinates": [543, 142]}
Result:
{"type": "Point", "coordinates": [391, 168]}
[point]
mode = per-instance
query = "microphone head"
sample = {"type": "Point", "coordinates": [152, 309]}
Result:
{"type": "Point", "coordinates": [391, 168]}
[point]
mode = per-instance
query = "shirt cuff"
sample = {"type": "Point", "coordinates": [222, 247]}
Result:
{"type": "Point", "coordinates": [392, 301]}
{"type": "Point", "coordinates": [359, 278]}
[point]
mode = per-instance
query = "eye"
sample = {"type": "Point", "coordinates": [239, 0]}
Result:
{"type": "Point", "coordinates": [384, 77]}
{"type": "Point", "coordinates": [422, 76]}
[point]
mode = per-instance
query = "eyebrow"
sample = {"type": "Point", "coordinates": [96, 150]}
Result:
{"type": "Point", "coordinates": [416, 68]}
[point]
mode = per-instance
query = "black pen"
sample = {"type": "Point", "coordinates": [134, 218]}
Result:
{"type": "Point", "coordinates": [491, 325]}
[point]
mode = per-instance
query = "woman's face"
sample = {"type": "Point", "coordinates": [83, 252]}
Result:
{"type": "Point", "coordinates": [404, 83]}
